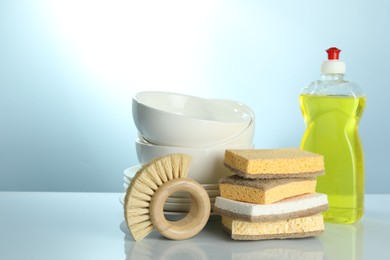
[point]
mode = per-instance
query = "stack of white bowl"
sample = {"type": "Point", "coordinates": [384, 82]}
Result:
{"type": "Point", "coordinates": [203, 128]}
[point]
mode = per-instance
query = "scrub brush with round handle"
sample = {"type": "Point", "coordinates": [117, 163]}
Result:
{"type": "Point", "coordinates": [148, 191]}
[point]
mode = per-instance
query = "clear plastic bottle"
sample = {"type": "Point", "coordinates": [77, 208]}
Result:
{"type": "Point", "coordinates": [332, 108]}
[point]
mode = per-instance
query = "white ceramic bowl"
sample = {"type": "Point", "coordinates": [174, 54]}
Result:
{"type": "Point", "coordinates": [206, 164]}
{"type": "Point", "coordinates": [172, 119]}
{"type": "Point", "coordinates": [244, 137]}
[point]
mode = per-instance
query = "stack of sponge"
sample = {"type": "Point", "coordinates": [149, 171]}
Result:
{"type": "Point", "coordinates": [271, 194]}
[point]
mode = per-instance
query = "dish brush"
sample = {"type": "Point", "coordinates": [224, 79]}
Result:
{"type": "Point", "coordinates": [148, 191]}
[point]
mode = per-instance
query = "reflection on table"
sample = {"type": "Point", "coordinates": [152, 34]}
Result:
{"type": "Point", "coordinates": [343, 241]}
{"type": "Point", "coordinates": [214, 243]}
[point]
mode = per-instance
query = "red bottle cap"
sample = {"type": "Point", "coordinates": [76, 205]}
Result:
{"type": "Point", "coordinates": [333, 53]}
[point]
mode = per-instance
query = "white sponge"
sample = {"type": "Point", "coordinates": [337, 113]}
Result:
{"type": "Point", "coordinates": [298, 206]}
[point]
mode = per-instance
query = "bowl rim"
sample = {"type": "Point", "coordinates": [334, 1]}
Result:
{"type": "Point", "coordinates": [227, 104]}
{"type": "Point", "coordinates": [144, 142]}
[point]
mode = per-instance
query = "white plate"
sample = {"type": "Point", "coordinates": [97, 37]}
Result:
{"type": "Point", "coordinates": [211, 193]}
{"type": "Point", "coordinates": [130, 172]}
{"type": "Point", "coordinates": [179, 207]}
{"type": "Point", "coordinates": [169, 201]}
{"type": "Point", "coordinates": [175, 215]}
{"type": "Point", "coordinates": [207, 187]}
{"type": "Point", "coordinates": [126, 180]}
{"type": "Point", "coordinates": [210, 186]}
{"type": "Point", "coordinates": [184, 200]}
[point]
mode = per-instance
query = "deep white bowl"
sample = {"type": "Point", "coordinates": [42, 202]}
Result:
{"type": "Point", "coordinates": [173, 119]}
{"type": "Point", "coordinates": [206, 164]}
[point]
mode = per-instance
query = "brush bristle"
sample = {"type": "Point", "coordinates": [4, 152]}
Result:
{"type": "Point", "coordinates": [144, 184]}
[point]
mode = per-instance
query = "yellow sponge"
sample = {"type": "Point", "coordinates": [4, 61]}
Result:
{"type": "Point", "coordinates": [279, 229]}
{"type": "Point", "coordinates": [274, 163]}
{"type": "Point", "coordinates": [265, 191]}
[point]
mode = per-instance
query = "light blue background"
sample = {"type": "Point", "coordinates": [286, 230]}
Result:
{"type": "Point", "coordinates": [68, 70]}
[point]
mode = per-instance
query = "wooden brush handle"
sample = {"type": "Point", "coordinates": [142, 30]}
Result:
{"type": "Point", "coordinates": [196, 218]}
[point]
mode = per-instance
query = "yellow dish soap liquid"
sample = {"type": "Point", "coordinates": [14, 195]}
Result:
{"type": "Point", "coordinates": [332, 108]}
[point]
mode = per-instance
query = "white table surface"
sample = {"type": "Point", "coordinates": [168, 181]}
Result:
{"type": "Point", "coordinates": [36, 225]}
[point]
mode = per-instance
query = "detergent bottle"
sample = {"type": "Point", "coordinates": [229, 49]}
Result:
{"type": "Point", "coordinates": [332, 108]}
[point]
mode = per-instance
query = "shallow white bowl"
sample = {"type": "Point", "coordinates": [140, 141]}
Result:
{"type": "Point", "coordinates": [206, 164]}
{"type": "Point", "coordinates": [181, 120]}
{"type": "Point", "coordinates": [243, 138]}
